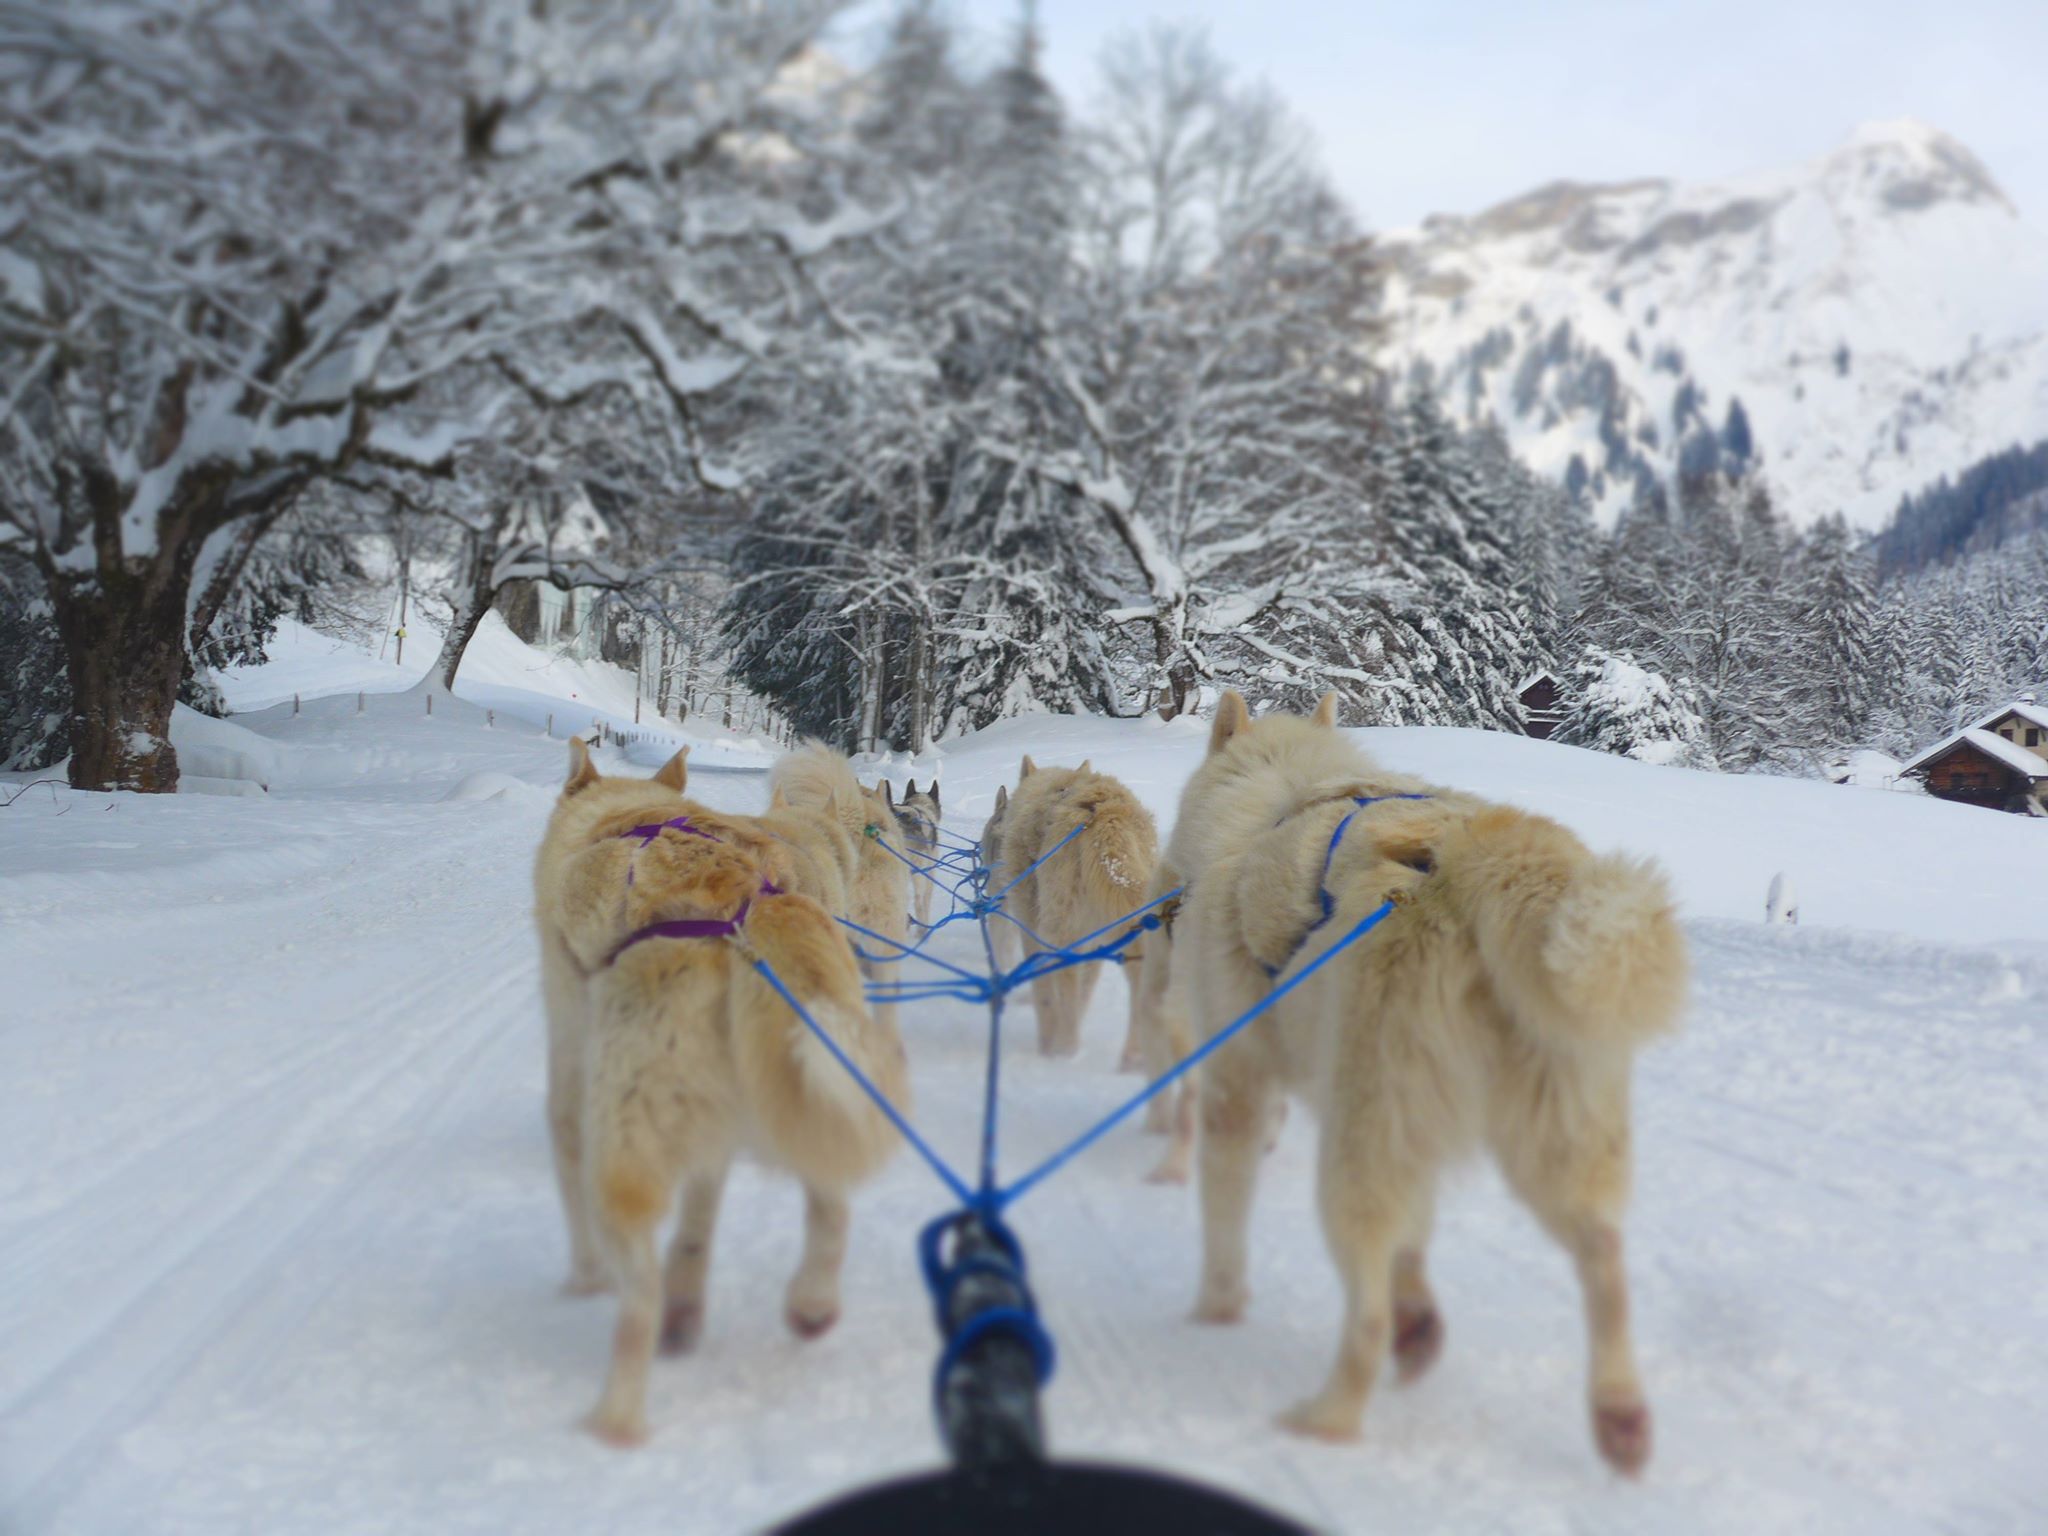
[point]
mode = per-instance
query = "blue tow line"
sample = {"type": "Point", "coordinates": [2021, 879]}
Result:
{"type": "Point", "coordinates": [989, 1199]}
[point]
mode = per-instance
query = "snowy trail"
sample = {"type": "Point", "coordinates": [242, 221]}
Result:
{"type": "Point", "coordinates": [281, 1242]}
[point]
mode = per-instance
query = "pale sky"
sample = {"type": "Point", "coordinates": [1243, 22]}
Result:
{"type": "Point", "coordinates": [1451, 106]}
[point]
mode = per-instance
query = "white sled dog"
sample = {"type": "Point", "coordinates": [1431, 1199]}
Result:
{"type": "Point", "coordinates": [1085, 886]}
{"type": "Point", "coordinates": [919, 816]}
{"type": "Point", "coordinates": [668, 1053]}
{"type": "Point", "coordinates": [815, 800]}
{"type": "Point", "coordinates": [1500, 1004]}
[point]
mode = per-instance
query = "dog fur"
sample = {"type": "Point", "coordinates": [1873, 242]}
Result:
{"type": "Point", "coordinates": [1500, 1005]}
{"type": "Point", "coordinates": [1085, 886]}
{"type": "Point", "coordinates": [920, 818]}
{"type": "Point", "coordinates": [823, 805]}
{"type": "Point", "coordinates": [667, 1058]}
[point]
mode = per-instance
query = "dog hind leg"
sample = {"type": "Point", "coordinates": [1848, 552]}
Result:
{"type": "Point", "coordinates": [1577, 1184]}
{"type": "Point", "coordinates": [1418, 1323]}
{"type": "Point", "coordinates": [1235, 1103]}
{"type": "Point", "coordinates": [1140, 1023]}
{"type": "Point", "coordinates": [689, 1260]}
{"type": "Point", "coordinates": [812, 1305]}
{"type": "Point", "coordinates": [620, 1417]}
{"type": "Point", "coordinates": [1363, 1223]}
{"type": "Point", "coordinates": [562, 991]}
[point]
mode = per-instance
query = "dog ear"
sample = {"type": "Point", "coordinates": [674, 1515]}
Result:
{"type": "Point", "coordinates": [1326, 711]}
{"type": "Point", "coordinates": [582, 771]}
{"type": "Point", "coordinates": [675, 773]}
{"type": "Point", "coordinates": [1231, 717]}
{"type": "Point", "coordinates": [1028, 769]}
{"type": "Point", "coordinates": [888, 794]}
{"type": "Point", "coordinates": [1002, 798]}
{"type": "Point", "coordinates": [934, 792]}
{"type": "Point", "coordinates": [1087, 766]}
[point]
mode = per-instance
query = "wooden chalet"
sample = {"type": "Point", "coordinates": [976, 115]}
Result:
{"type": "Point", "coordinates": [1542, 699]}
{"type": "Point", "coordinates": [2000, 762]}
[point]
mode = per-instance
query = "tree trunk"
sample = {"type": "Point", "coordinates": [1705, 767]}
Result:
{"type": "Point", "coordinates": [1175, 665]}
{"type": "Point", "coordinates": [226, 573]}
{"type": "Point", "coordinates": [471, 603]}
{"type": "Point", "coordinates": [920, 685]}
{"type": "Point", "coordinates": [123, 632]}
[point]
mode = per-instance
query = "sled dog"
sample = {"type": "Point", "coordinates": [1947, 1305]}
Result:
{"type": "Point", "coordinates": [920, 818]}
{"type": "Point", "coordinates": [1500, 1005]}
{"type": "Point", "coordinates": [816, 802]}
{"type": "Point", "coordinates": [1083, 887]}
{"type": "Point", "coordinates": [668, 1053]}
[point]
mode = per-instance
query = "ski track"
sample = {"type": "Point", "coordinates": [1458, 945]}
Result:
{"type": "Point", "coordinates": [292, 1263]}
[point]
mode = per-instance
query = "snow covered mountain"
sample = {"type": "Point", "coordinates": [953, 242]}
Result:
{"type": "Point", "coordinates": [1861, 324]}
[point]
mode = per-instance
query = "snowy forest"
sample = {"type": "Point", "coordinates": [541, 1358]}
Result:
{"type": "Point", "coordinates": [897, 392]}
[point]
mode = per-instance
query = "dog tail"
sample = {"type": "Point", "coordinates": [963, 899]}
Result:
{"type": "Point", "coordinates": [815, 777]}
{"type": "Point", "coordinates": [1584, 951]}
{"type": "Point", "coordinates": [818, 1120]}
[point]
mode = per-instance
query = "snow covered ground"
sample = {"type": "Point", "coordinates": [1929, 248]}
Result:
{"type": "Point", "coordinates": [280, 1240]}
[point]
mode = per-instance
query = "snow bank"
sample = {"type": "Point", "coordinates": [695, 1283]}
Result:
{"type": "Point", "coordinates": [220, 749]}
{"type": "Point", "coordinates": [275, 1178]}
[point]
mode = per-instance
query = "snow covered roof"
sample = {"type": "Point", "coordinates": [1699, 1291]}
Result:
{"type": "Point", "coordinates": [2033, 714]}
{"type": "Point", "coordinates": [1533, 679]}
{"type": "Point", "coordinates": [2018, 759]}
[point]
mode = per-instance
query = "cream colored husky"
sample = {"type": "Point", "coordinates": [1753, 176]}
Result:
{"type": "Point", "coordinates": [668, 1053]}
{"type": "Point", "coordinates": [1084, 886]}
{"type": "Point", "coordinates": [815, 800]}
{"type": "Point", "coordinates": [1499, 1006]}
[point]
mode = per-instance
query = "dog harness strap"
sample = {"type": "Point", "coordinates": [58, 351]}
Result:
{"type": "Point", "coordinates": [1329, 905]}
{"type": "Point", "coordinates": [649, 831]}
{"type": "Point", "coordinates": [686, 928]}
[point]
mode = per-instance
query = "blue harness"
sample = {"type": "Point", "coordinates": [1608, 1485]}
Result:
{"type": "Point", "coordinates": [1358, 803]}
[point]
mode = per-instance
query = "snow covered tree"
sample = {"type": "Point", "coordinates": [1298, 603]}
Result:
{"type": "Point", "coordinates": [1210, 384]}
{"type": "Point", "coordinates": [257, 245]}
{"type": "Point", "coordinates": [1462, 632]}
{"type": "Point", "coordinates": [1848, 668]}
{"type": "Point", "coordinates": [1620, 707]}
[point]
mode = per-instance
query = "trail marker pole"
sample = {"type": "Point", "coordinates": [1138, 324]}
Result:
{"type": "Point", "coordinates": [295, 704]}
{"type": "Point", "coordinates": [359, 701]}
{"type": "Point", "coordinates": [430, 706]}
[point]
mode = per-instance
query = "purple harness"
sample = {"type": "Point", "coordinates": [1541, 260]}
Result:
{"type": "Point", "coordinates": [684, 927]}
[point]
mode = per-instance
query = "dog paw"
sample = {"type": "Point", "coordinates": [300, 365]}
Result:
{"type": "Point", "coordinates": [1418, 1340]}
{"type": "Point", "coordinates": [1622, 1431]}
{"type": "Point", "coordinates": [1171, 1170]}
{"type": "Point", "coordinates": [621, 1431]}
{"type": "Point", "coordinates": [1321, 1418]}
{"type": "Point", "coordinates": [1219, 1305]}
{"type": "Point", "coordinates": [811, 1323]}
{"type": "Point", "coordinates": [682, 1323]}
